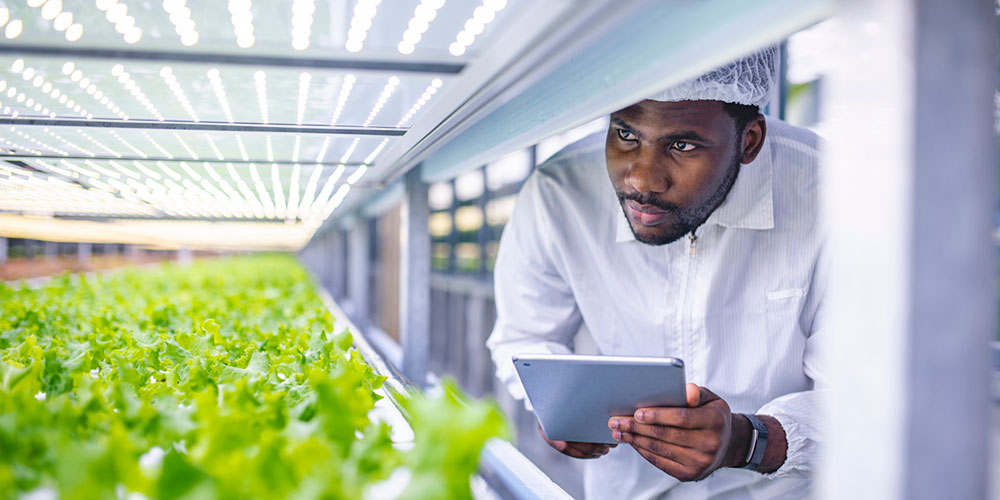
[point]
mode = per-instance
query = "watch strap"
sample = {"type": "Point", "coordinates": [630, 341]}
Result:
{"type": "Point", "coordinates": [758, 443]}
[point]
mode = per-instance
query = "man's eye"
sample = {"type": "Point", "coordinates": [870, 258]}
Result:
{"type": "Point", "coordinates": [625, 135]}
{"type": "Point", "coordinates": [683, 146]}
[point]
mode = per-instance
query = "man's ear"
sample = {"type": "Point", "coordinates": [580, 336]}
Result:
{"type": "Point", "coordinates": [753, 138]}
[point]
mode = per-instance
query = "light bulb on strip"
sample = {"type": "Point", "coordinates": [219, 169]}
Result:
{"type": "Point", "coordinates": [424, 98]}
{"type": "Point", "coordinates": [481, 16]}
{"type": "Point", "coordinates": [260, 85]}
{"type": "Point", "coordinates": [279, 192]}
{"type": "Point", "coordinates": [345, 91]}
{"type": "Point", "coordinates": [98, 143]}
{"type": "Point", "coordinates": [54, 93]}
{"type": "Point", "coordinates": [180, 17]}
{"type": "Point", "coordinates": [184, 144]}
{"type": "Point", "coordinates": [242, 19]}
{"type": "Point", "coordinates": [311, 185]}
{"type": "Point", "coordinates": [167, 74]}
{"type": "Point", "coordinates": [215, 80]}
{"type": "Point", "coordinates": [215, 149]}
{"type": "Point", "coordinates": [304, 79]}
{"type": "Point", "coordinates": [132, 86]}
{"type": "Point", "coordinates": [116, 13]}
{"type": "Point", "coordinates": [291, 210]}
{"type": "Point", "coordinates": [361, 22]}
{"type": "Point", "coordinates": [423, 14]}
{"type": "Point", "coordinates": [387, 92]}
{"type": "Point", "coordinates": [69, 143]}
{"type": "Point", "coordinates": [128, 144]}
{"type": "Point", "coordinates": [243, 149]}
{"type": "Point", "coordinates": [302, 20]}
{"type": "Point", "coordinates": [157, 145]}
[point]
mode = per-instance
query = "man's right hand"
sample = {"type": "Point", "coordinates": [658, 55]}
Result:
{"type": "Point", "coordinates": [578, 450]}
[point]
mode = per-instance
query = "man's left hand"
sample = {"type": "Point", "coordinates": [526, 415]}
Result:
{"type": "Point", "coordinates": [687, 443]}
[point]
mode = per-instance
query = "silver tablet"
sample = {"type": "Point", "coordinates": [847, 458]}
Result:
{"type": "Point", "coordinates": [574, 395]}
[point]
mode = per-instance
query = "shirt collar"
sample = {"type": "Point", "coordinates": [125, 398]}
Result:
{"type": "Point", "coordinates": [749, 204]}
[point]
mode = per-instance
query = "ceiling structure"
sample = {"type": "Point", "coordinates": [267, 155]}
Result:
{"type": "Point", "coordinates": [137, 116]}
{"type": "Point", "coordinates": [257, 123]}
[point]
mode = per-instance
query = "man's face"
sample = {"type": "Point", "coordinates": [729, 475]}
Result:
{"type": "Point", "coordinates": [673, 163]}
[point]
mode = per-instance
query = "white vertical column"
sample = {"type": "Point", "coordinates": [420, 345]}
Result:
{"type": "Point", "coordinates": [909, 192]}
{"type": "Point", "coordinates": [3, 250]}
{"type": "Point", "coordinates": [415, 278]}
{"type": "Point", "coordinates": [83, 251]}
{"type": "Point", "coordinates": [359, 281]}
{"type": "Point", "coordinates": [50, 249]}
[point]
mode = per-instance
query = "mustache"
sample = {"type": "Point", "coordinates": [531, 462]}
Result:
{"type": "Point", "coordinates": [647, 199]}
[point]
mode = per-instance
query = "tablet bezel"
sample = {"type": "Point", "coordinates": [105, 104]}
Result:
{"type": "Point", "coordinates": [615, 385]}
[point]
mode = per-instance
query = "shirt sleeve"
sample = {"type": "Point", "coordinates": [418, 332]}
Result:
{"type": "Point", "coordinates": [799, 412]}
{"type": "Point", "coordinates": [536, 310]}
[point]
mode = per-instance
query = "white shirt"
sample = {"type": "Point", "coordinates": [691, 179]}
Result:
{"type": "Point", "coordinates": [741, 308]}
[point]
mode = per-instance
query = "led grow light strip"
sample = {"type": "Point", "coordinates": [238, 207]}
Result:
{"type": "Point", "coordinates": [483, 15]}
{"type": "Point", "coordinates": [52, 10]}
{"type": "Point", "coordinates": [130, 85]}
{"type": "Point", "coordinates": [190, 152]}
{"type": "Point", "coordinates": [167, 73]}
{"type": "Point", "coordinates": [364, 13]}
{"type": "Point", "coordinates": [180, 16]}
{"type": "Point", "coordinates": [418, 25]}
{"type": "Point", "coordinates": [345, 92]}
{"type": "Point", "coordinates": [302, 20]}
{"type": "Point", "coordinates": [77, 76]}
{"type": "Point", "coordinates": [98, 143]}
{"type": "Point", "coordinates": [29, 73]}
{"type": "Point", "coordinates": [242, 19]}
{"type": "Point", "coordinates": [304, 79]}
{"type": "Point", "coordinates": [117, 13]}
{"type": "Point", "coordinates": [424, 98]}
{"type": "Point", "coordinates": [13, 28]}
{"type": "Point", "coordinates": [260, 84]}
{"type": "Point", "coordinates": [215, 79]}
{"type": "Point", "coordinates": [387, 91]}
{"type": "Point", "coordinates": [67, 142]}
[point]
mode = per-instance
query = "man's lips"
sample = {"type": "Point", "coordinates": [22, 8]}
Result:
{"type": "Point", "coordinates": [646, 215]}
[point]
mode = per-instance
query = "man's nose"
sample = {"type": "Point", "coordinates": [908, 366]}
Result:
{"type": "Point", "coordinates": [647, 174]}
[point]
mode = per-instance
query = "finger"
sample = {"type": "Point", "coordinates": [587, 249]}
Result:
{"type": "Point", "coordinates": [671, 467]}
{"type": "Point", "coordinates": [676, 435]}
{"type": "Point", "coordinates": [568, 449]}
{"type": "Point", "coordinates": [705, 396]}
{"type": "Point", "coordinates": [685, 418]}
{"type": "Point", "coordinates": [679, 454]}
{"type": "Point", "coordinates": [590, 448]}
{"type": "Point", "coordinates": [693, 395]}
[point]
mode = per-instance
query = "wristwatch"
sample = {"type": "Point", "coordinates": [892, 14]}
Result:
{"type": "Point", "coordinates": [758, 443]}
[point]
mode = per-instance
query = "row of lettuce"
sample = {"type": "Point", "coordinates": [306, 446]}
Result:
{"type": "Point", "coordinates": [219, 379]}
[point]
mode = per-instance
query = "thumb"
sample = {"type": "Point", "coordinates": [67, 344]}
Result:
{"type": "Point", "coordinates": [693, 395]}
{"type": "Point", "coordinates": [697, 395]}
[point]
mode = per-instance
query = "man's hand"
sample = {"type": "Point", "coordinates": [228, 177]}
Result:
{"type": "Point", "coordinates": [687, 443]}
{"type": "Point", "coordinates": [578, 450]}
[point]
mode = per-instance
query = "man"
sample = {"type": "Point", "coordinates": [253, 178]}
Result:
{"type": "Point", "coordinates": [691, 230]}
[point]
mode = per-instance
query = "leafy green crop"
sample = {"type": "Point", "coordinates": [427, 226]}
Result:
{"type": "Point", "coordinates": [221, 379]}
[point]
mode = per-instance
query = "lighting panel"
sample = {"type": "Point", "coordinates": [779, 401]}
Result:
{"type": "Point", "coordinates": [410, 28]}
{"type": "Point", "coordinates": [145, 162]}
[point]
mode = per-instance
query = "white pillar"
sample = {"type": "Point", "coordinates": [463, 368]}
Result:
{"type": "Point", "coordinates": [909, 191]}
{"type": "Point", "coordinates": [3, 250]}
{"type": "Point", "coordinates": [51, 249]}
{"type": "Point", "coordinates": [414, 278]}
{"type": "Point", "coordinates": [359, 280]}
{"type": "Point", "coordinates": [83, 252]}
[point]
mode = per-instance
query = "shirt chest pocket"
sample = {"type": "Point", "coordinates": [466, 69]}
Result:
{"type": "Point", "coordinates": [783, 309]}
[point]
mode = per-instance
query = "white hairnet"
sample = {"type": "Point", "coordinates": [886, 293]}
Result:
{"type": "Point", "coordinates": [745, 81]}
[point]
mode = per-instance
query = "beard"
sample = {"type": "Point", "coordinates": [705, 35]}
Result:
{"type": "Point", "coordinates": [681, 220]}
